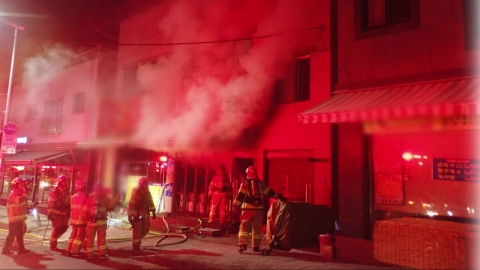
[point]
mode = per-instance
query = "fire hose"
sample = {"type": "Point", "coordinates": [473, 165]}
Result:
{"type": "Point", "coordinates": [164, 235]}
{"type": "Point", "coordinates": [125, 239]}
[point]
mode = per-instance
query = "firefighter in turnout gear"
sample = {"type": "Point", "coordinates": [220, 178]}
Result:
{"type": "Point", "coordinates": [17, 215]}
{"type": "Point", "coordinates": [250, 200]}
{"type": "Point", "coordinates": [139, 208]}
{"type": "Point", "coordinates": [220, 191]}
{"type": "Point", "coordinates": [79, 224]}
{"type": "Point", "coordinates": [58, 210]}
{"type": "Point", "coordinates": [95, 212]}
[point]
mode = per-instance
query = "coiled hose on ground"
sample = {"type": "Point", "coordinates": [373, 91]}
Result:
{"type": "Point", "coordinates": [152, 234]}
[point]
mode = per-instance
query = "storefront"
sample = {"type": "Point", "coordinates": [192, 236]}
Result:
{"type": "Point", "coordinates": [178, 182]}
{"type": "Point", "coordinates": [42, 169]}
{"type": "Point", "coordinates": [406, 151]}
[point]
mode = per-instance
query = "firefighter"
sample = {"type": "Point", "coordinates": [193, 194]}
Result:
{"type": "Point", "coordinates": [58, 210]}
{"type": "Point", "coordinates": [79, 224]}
{"type": "Point", "coordinates": [139, 208]}
{"type": "Point", "coordinates": [250, 200]}
{"type": "Point", "coordinates": [220, 191]}
{"type": "Point", "coordinates": [95, 212]}
{"type": "Point", "coordinates": [17, 216]}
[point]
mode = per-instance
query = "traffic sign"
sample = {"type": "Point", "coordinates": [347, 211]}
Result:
{"type": "Point", "coordinates": [10, 128]}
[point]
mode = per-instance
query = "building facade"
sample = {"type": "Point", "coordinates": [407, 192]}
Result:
{"type": "Point", "coordinates": [404, 115]}
{"type": "Point", "coordinates": [54, 106]}
{"type": "Point", "coordinates": [221, 85]}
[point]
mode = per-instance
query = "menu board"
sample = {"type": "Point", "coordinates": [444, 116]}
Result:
{"type": "Point", "coordinates": [456, 169]}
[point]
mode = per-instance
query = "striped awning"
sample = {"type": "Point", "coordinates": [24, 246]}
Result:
{"type": "Point", "coordinates": [428, 99]}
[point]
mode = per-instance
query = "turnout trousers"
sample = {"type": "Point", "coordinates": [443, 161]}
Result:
{"type": "Point", "coordinates": [101, 232]}
{"type": "Point", "coordinates": [77, 236]}
{"type": "Point", "coordinates": [140, 230]}
{"type": "Point", "coordinates": [250, 219]}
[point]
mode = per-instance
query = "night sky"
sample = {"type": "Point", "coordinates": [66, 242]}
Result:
{"type": "Point", "coordinates": [79, 24]}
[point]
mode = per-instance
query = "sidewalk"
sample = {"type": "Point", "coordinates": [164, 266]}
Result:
{"type": "Point", "coordinates": [177, 251]}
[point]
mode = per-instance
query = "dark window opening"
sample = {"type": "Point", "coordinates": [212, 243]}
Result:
{"type": "Point", "coordinates": [471, 9]}
{"type": "Point", "coordinates": [302, 91]}
{"type": "Point", "coordinates": [379, 17]}
{"type": "Point", "coordinates": [297, 87]}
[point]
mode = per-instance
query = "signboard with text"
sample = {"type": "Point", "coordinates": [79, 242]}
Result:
{"type": "Point", "coordinates": [9, 144]}
{"type": "Point", "coordinates": [456, 169]}
{"type": "Point", "coordinates": [9, 140]}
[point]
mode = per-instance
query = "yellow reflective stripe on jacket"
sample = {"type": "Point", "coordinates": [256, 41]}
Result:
{"type": "Point", "coordinates": [16, 207]}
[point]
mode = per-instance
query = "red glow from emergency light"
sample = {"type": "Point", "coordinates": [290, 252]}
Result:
{"type": "Point", "coordinates": [163, 158]}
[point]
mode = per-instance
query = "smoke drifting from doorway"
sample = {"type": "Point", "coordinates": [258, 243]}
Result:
{"type": "Point", "coordinates": [205, 95]}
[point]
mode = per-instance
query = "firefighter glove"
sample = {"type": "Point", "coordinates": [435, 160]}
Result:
{"type": "Point", "coordinates": [154, 216]}
{"type": "Point", "coordinates": [130, 218]}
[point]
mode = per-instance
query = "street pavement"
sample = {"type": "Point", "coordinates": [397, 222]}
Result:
{"type": "Point", "coordinates": [175, 250]}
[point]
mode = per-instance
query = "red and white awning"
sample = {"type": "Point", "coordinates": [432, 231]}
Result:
{"type": "Point", "coordinates": [429, 99]}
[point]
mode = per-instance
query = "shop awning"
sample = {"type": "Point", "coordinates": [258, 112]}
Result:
{"type": "Point", "coordinates": [31, 158]}
{"type": "Point", "coordinates": [429, 99]}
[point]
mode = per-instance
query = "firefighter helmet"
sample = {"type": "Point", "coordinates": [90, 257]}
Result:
{"type": "Point", "coordinates": [79, 185]}
{"type": "Point", "coordinates": [62, 181]}
{"type": "Point", "coordinates": [98, 188]}
{"type": "Point", "coordinates": [17, 184]}
{"type": "Point", "coordinates": [143, 181]}
{"type": "Point", "coordinates": [251, 172]}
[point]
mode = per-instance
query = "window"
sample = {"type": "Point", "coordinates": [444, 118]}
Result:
{"type": "Point", "coordinates": [302, 79]}
{"type": "Point", "coordinates": [78, 103]}
{"type": "Point", "coordinates": [51, 123]}
{"type": "Point", "coordinates": [287, 90]}
{"type": "Point", "coordinates": [31, 114]}
{"type": "Point", "coordinates": [471, 9]}
{"type": "Point", "coordinates": [379, 17]}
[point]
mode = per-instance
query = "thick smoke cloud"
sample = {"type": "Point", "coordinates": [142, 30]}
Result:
{"type": "Point", "coordinates": [205, 95]}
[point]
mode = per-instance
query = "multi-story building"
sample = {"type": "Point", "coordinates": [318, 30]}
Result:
{"type": "Point", "coordinates": [209, 85]}
{"type": "Point", "coordinates": [55, 105]}
{"type": "Point", "coordinates": [404, 119]}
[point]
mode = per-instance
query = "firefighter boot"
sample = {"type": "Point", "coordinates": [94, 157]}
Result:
{"type": "Point", "coordinates": [242, 248]}
{"type": "Point", "coordinates": [256, 249]}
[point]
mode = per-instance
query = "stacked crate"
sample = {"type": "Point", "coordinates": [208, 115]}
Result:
{"type": "Point", "coordinates": [422, 243]}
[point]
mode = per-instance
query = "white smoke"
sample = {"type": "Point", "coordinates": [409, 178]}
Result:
{"type": "Point", "coordinates": [204, 96]}
{"type": "Point", "coordinates": [39, 70]}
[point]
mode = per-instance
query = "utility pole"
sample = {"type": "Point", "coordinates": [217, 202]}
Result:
{"type": "Point", "coordinates": [9, 94]}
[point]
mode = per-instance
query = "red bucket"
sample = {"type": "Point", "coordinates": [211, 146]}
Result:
{"type": "Point", "coordinates": [327, 245]}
